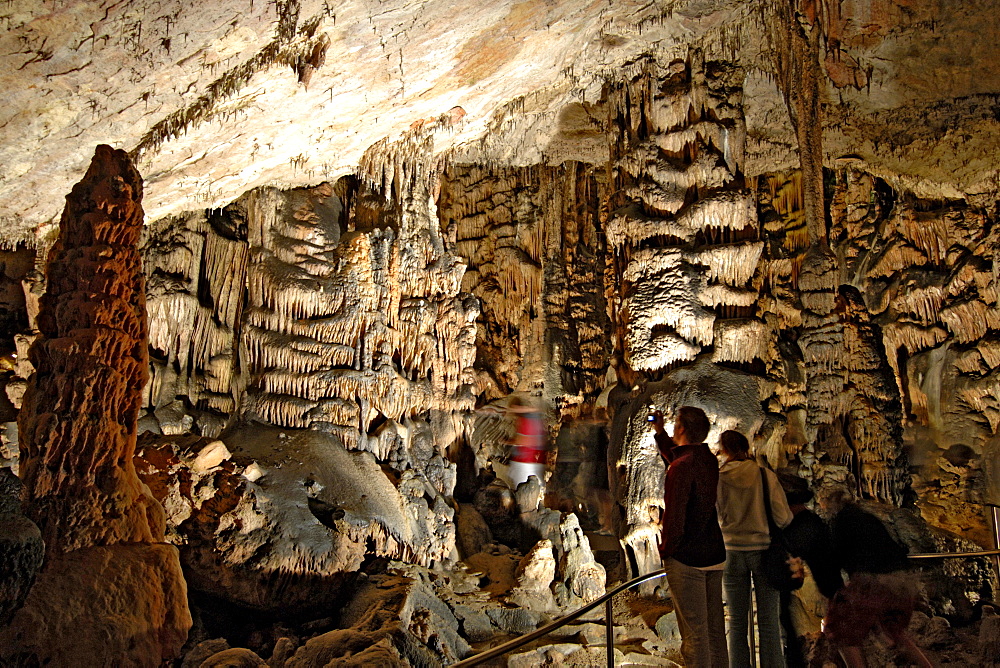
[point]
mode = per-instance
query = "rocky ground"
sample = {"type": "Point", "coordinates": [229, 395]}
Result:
{"type": "Point", "coordinates": [517, 568]}
{"type": "Point", "coordinates": [452, 613]}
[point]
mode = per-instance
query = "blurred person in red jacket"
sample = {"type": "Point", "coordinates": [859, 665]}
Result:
{"type": "Point", "coordinates": [528, 448]}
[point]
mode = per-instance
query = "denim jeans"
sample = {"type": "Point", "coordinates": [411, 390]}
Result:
{"type": "Point", "coordinates": [697, 599]}
{"type": "Point", "coordinates": [742, 567]}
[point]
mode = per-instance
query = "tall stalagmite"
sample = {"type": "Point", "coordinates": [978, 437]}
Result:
{"type": "Point", "coordinates": [110, 593]}
{"type": "Point", "coordinates": [78, 421]}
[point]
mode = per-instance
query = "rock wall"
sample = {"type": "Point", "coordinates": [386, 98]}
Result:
{"type": "Point", "coordinates": [928, 273]}
{"type": "Point", "coordinates": [336, 309]}
{"type": "Point", "coordinates": [333, 308]}
{"type": "Point", "coordinates": [352, 307]}
{"type": "Point", "coordinates": [532, 240]}
{"type": "Point", "coordinates": [381, 308]}
{"type": "Point", "coordinates": [859, 353]}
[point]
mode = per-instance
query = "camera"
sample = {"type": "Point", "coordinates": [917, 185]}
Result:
{"type": "Point", "coordinates": [651, 417]}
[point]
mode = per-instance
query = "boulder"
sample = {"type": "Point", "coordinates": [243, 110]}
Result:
{"type": "Point", "coordinates": [471, 531]}
{"type": "Point", "coordinates": [533, 579]}
{"type": "Point", "coordinates": [21, 547]}
{"type": "Point", "coordinates": [21, 553]}
{"type": "Point", "coordinates": [203, 650]}
{"type": "Point", "coordinates": [237, 657]}
{"type": "Point", "coordinates": [284, 648]}
{"type": "Point", "coordinates": [989, 638]}
{"type": "Point", "coordinates": [104, 605]}
{"type": "Point", "coordinates": [284, 521]}
{"type": "Point", "coordinates": [475, 623]}
{"type": "Point", "coordinates": [210, 456]}
{"type": "Point", "coordinates": [394, 619]}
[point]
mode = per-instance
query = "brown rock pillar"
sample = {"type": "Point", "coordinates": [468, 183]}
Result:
{"type": "Point", "coordinates": [110, 592]}
{"type": "Point", "coordinates": [77, 424]}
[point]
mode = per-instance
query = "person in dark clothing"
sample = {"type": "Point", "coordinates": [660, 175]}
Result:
{"type": "Point", "coordinates": [808, 538]}
{"type": "Point", "coordinates": [877, 596]}
{"type": "Point", "coordinates": [691, 546]}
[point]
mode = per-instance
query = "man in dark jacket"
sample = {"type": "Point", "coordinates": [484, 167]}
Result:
{"type": "Point", "coordinates": [877, 596]}
{"type": "Point", "coordinates": [691, 546]}
{"type": "Point", "coordinates": [808, 538]}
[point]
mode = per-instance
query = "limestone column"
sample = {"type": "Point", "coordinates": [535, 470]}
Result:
{"type": "Point", "coordinates": [684, 244]}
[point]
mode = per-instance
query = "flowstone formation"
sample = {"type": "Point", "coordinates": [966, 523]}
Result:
{"type": "Point", "coordinates": [334, 315]}
{"type": "Point", "coordinates": [530, 238]}
{"type": "Point", "coordinates": [927, 270]}
{"type": "Point", "coordinates": [684, 238]}
{"type": "Point", "coordinates": [102, 528]}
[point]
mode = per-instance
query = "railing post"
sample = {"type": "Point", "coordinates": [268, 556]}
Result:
{"type": "Point", "coordinates": [609, 621]}
{"type": "Point", "coordinates": [995, 512]}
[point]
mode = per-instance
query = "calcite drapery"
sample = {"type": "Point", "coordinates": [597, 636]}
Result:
{"type": "Point", "coordinates": [78, 422]}
{"type": "Point", "coordinates": [683, 231]}
{"type": "Point", "coordinates": [530, 238]}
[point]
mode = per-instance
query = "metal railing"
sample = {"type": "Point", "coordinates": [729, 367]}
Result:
{"type": "Point", "coordinates": [954, 555]}
{"type": "Point", "coordinates": [521, 641]}
{"type": "Point", "coordinates": [511, 645]}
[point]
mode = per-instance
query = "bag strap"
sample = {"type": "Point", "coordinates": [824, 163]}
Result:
{"type": "Point", "coordinates": [771, 526]}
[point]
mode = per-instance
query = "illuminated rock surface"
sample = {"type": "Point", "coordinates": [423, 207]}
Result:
{"type": "Point", "coordinates": [109, 590]}
{"type": "Point", "coordinates": [370, 225]}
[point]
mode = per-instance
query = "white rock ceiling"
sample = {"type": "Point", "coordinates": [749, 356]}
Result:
{"type": "Point", "coordinates": [215, 97]}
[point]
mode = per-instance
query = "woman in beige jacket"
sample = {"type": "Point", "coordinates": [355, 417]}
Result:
{"type": "Point", "coordinates": [744, 527]}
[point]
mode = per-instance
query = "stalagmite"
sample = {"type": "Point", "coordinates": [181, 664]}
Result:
{"type": "Point", "coordinates": [102, 527]}
{"type": "Point", "coordinates": [78, 424]}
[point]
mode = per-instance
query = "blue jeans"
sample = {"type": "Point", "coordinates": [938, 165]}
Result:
{"type": "Point", "coordinates": [742, 568]}
{"type": "Point", "coordinates": [697, 599]}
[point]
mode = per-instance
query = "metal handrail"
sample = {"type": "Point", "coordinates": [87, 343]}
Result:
{"type": "Point", "coordinates": [511, 645]}
{"type": "Point", "coordinates": [520, 641]}
{"type": "Point", "coordinates": [953, 555]}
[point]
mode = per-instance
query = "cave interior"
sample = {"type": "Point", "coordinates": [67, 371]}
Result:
{"type": "Point", "coordinates": [259, 258]}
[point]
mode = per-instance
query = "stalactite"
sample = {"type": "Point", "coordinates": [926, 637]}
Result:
{"type": "Point", "coordinates": [795, 49]}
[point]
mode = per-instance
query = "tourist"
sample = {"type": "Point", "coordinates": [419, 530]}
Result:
{"type": "Point", "coordinates": [691, 543]}
{"type": "Point", "coordinates": [528, 448]}
{"type": "Point", "coordinates": [746, 532]}
{"type": "Point", "coordinates": [879, 595]}
{"type": "Point", "coordinates": [808, 538]}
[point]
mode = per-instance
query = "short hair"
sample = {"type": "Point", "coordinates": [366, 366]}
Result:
{"type": "Point", "coordinates": [695, 423]}
{"type": "Point", "coordinates": [734, 443]}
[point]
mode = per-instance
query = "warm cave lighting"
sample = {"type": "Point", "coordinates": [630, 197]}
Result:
{"type": "Point", "coordinates": [308, 286]}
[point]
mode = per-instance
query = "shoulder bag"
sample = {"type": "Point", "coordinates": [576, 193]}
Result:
{"type": "Point", "coordinates": [778, 572]}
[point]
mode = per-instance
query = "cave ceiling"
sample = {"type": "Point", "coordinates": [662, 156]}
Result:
{"type": "Point", "coordinates": [214, 98]}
